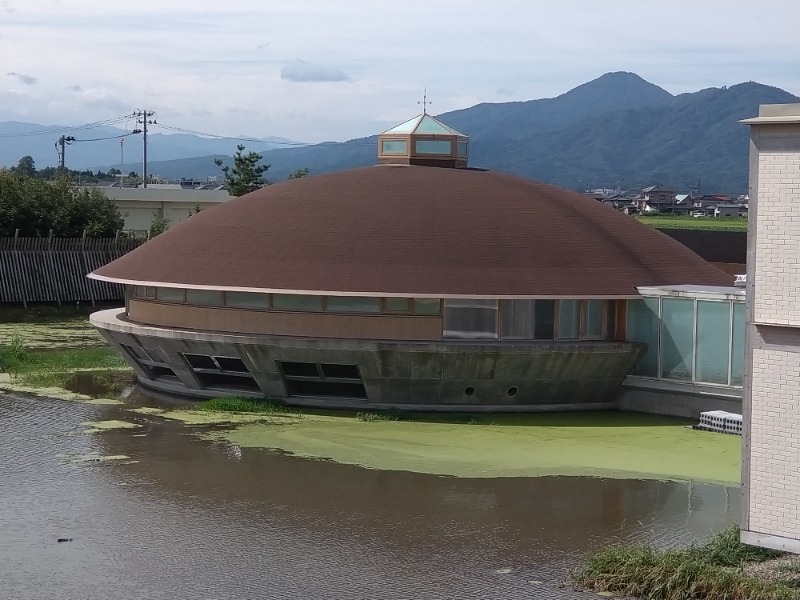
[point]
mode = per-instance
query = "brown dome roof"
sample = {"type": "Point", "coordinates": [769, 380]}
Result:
{"type": "Point", "coordinates": [409, 230]}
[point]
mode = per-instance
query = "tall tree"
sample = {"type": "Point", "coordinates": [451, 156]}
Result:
{"type": "Point", "coordinates": [26, 166]}
{"type": "Point", "coordinates": [247, 173]}
{"type": "Point", "coordinates": [35, 207]}
{"type": "Point", "coordinates": [299, 174]}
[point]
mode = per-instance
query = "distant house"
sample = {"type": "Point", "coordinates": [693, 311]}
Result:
{"type": "Point", "coordinates": [657, 198]}
{"type": "Point", "coordinates": [683, 204]}
{"type": "Point", "coordinates": [706, 204]}
{"type": "Point", "coordinates": [727, 210]}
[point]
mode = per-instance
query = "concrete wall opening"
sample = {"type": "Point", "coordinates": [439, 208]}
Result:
{"type": "Point", "coordinates": [151, 363]}
{"type": "Point", "coordinates": [323, 379]}
{"type": "Point", "coordinates": [228, 373]}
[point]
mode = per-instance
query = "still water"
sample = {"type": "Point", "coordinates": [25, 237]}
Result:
{"type": "Point", "coordinates": [200, 520]}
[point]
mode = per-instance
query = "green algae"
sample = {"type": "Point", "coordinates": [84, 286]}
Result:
{"type": "Point", "coordinates": [8, 383]}
{"type": "Point", "coordinates": [108, 425]}
{"type": "Point", "coordinates": [76, 333]}
{"type": "Point", "coordinates": [82, 374]}
{"type": "Point", "coordinates": [615, 445]}
{"type": "Point", "coordinates": [204, 417]}
{"type": "Point", "coordinates": [94, 458]}
{"type": "Point", "coordinates": [148, 410]}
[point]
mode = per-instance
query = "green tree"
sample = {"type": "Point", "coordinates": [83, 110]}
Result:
{"type": "Point", "coordinates": [35, 207]}
{"type": "Point", "coordinates": [299, 174]}
{"type": "Point", "coordinates": [26, 166]}
{"type": "Point", "coordinates": [246, 175]}
{"type": "Point", "coordinates": [158, 226]}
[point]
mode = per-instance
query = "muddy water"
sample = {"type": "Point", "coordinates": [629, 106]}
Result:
{"type": "Point", "coordinates": [195, 519]}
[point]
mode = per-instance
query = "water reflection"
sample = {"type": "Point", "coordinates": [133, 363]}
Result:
{"type": "Point", "coordinates": [194, 519]}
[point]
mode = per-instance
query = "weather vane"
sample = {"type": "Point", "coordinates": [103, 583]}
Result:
{"type": "Point", "coordinates": [425, 102]}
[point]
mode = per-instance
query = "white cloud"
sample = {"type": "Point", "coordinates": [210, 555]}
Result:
{"type": "Point", "coordinates": [209, 69]}
{"type": "Point", "coordinates": [304, 72]}
{"type": "Point", "coordinates": [26, 79]}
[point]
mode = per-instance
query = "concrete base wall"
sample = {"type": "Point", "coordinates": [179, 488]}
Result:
{"type": "Point", "coordinates": [549, 375]}
{"type": "Point", "coordinates": [430, 376]}
{"type": "Point", "coordinates": [676, 399]}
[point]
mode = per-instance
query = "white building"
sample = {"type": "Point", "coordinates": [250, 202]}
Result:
{"type": "Point", "coordinates": [771, 399]}
{"type": "Point", "coordinates": [141, 206]}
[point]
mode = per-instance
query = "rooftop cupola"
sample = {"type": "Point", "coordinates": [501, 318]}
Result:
{"type": "Point", "coordinates": [423, 140]}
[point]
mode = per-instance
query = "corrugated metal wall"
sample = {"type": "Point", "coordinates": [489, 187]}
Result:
{"type": "Point", "coordinates": [55, 269]}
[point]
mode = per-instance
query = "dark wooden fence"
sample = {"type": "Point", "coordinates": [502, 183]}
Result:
{"type": "Point", "coordinates": [54, 269]}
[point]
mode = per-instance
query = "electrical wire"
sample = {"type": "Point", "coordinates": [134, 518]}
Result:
{"type": "Point", "coordinates": [56, 130]}
{"type": "Point", "coordinates": [224, 137]}
{"type": "Point", "coordinates": [112, 137]}
{"type": "Point", "coordinates": [252, 140]}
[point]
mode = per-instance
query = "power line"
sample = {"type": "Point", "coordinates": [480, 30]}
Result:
{"type": "Point", "coordinates": [138, 115]}
{"type": "Point", "coordinates": [112, 137]}
{"type": "Point", "coordinates": [255, 140]}
{"type": "Point", "coordinates": [57, 130]}
{"type": "Point", "coordinates": [227, 137]}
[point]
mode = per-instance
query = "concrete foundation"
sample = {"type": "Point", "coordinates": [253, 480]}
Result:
{"type": "Point", "coordinates": [675, 398]}
{"type": "Point", "coordinates": [471, 376]}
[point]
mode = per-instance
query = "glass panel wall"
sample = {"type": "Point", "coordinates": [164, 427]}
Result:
{"type": "Point", "coordinates": [398, 305]}
{"type": "Point", "coordinates": [246, 300]}
{"type": "Point", "coordinates": [643, 327]}
{"type": "Point", "coordinates": [204, 297]}
{"type": "Point", "coordinates": [394, 146]}
{"type": "Point", "coordinates": [353, 304]}
{"type": "Point", "coordinates": [593, 325]}
{"type": "Point", "coordinates": [169, 294]}
{"type": "Point", "coordinates": [568, 319]}
{"type": "Point", "coordinates": [544, 319]}
{"type": "Point", "coordinates": [737, 344]}
{"type": "Point", "coordinates": [432, 147]}
{"type": "Point", "coordinates": [297, 302]}
{"type": "Point", "coordinates": [427, 306]}
{"type": "Point", "coordinates": [518, 319]}
{"type": "Point", "coordinates": [470, 319]}
{"type": "Point", "coordinates": [689, 339]}
{"type": "Point", "coordinates": [677, 337]}
{"type": "Point", "coordinates": [527, 319]}
{"type": "Point", "coordinates": [713, 341]}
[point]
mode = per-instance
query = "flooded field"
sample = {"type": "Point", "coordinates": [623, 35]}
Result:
{"type": "Point", "coordinates": [75, 333]}
{"type": "Point", "coordinates": [110, 493]}
{"type": "Point", "coordinates": [154, 511]}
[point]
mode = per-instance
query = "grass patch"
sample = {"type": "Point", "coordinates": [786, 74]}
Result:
{"type": "Point", "coordinates": [726, 550]}
{"type": "Point", "coordinates": [712, 571]}
{"type": "Point", "coordinates": [238, 404]}
{"type": "Point", "coordinates": [53, 368]}
{"type": "Point", "coordinates": [371, 417]}
{"type": "Point", "coordinates": [707, 223]}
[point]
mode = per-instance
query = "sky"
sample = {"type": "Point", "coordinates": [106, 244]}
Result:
{"type": "Point", "coordinates": [316, 70]}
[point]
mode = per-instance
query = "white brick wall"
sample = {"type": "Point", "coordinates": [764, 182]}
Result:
{"type": "Point", "coordinates": [777, 278]}
{"type": "Point", "coordinates": [774, 491]}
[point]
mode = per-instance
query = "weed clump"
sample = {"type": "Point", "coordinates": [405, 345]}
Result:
{"type": "Point", "coordinates": [371, 417]}
{"type": "Point", "coordinates": [247, 405]}
{"type": "Point", "coordinates": [53, 368]}
{"type": "Point", "coordinates": [712, 571]}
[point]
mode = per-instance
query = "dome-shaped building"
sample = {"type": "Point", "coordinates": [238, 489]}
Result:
{"type": "Point", "coordinates": [415, 283]}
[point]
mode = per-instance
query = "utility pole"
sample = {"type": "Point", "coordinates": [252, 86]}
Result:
{"type": "Point", "coordinates": [144, 120]}
{"type": "Point", "coordinates": [60, 144]}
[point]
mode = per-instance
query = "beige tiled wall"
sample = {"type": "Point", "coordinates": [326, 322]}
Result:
{"type": "Point", "coordinates": [777, 276]}
{"type": "Point", "coordinates": [775, 443]}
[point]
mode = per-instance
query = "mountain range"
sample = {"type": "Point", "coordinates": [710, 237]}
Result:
{"type": "Point", "coordinates": [615, 131]}
{"type": "Point", "coordinates": [100, 146]}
